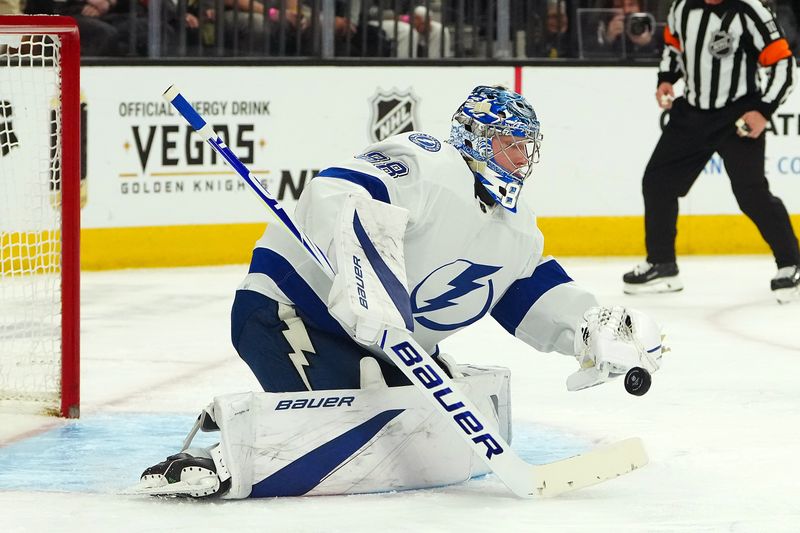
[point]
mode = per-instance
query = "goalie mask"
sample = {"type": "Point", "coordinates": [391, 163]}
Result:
{"type": "Point", "coordinates": [497, 132]}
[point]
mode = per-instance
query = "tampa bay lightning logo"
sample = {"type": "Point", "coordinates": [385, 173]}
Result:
{"type": "Point", "coordinates": [453, 296]}
{"type": "Point", "coordinates": [425, 141]}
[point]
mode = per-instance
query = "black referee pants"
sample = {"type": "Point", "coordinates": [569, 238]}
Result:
{"type": "Point", "coordinates": [687, 143]}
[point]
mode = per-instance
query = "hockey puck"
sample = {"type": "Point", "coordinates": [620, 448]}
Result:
{"type": "Point", "coordinates": [637, 381]}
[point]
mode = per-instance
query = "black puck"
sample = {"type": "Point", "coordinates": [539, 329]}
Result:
{"type": "Point", "coordinates": [637, 381]}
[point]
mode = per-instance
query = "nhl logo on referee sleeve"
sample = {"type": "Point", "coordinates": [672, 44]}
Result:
{"type": "Point", "coordinates": [393, 112]}
{"type": "Point", "coordinates": [720, 44]}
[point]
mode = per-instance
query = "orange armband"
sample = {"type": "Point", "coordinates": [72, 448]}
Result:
{"type": "Point", "coordinates": [774, 52]}
{"type": "Point", "coordinates": [671, 40]}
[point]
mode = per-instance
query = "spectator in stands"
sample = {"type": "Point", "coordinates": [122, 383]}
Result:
{"type": "Point", "coordinates": [359, 31]}
{"type": "Point", "coordinates": [433, 36]}
{"type": "Point", "coordinates": [403, 31]}
{"type": "Point", "coordinates": [627, 32]}
{"type": "Point", "coordinates": [120, 18]}
{"type": "Point", "coordinates": [399, 31]}
{"type": "Point", "coordinates": [133, 33]}
{"type": "Point", "coordinates": [199, 28]}
{"type": "Point", "coordinates": [241, 33]}
{"type": "Point", "coordinates": [10, 7]}
{"type": "Point", "coordinates": [343, 27]}
{"type": "Point", "coordinates": [98, 37]}
{"type": "Point", "coordinates": [239, 24]}
{"type": "Point", "coordinates": [556, 36]}
{"type": "Point", "coordinates": [553, 39]}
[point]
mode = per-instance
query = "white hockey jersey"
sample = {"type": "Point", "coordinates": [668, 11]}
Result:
{"type": "Point", "coordinates": [462, 262]}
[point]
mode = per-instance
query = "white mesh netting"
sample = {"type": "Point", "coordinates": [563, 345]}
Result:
{"type": "Point", "coordinates": [30, 219]}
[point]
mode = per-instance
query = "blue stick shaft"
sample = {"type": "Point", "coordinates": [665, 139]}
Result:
{"type": "Point", "coordinates": [198, 124]}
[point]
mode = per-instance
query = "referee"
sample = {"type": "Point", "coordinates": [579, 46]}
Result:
{"type": "Point", "coordinates": [718, 47]}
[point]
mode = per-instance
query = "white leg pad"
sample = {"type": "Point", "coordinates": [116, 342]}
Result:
{"type": "Point", "coordinates": [351, 441]}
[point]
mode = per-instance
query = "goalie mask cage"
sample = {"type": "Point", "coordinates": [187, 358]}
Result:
{"type": "Point", "coordinates": [39, 215]}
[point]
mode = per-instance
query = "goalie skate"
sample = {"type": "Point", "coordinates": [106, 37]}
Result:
{"type": "Point", "coordinates": [186, 474]}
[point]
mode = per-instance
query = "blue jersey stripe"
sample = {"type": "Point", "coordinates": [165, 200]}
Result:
{"type": "Point", "coordinates": [523, 294]}
{"type": "Point", "coordinates": [308, 471]}
{"type": "Point", "coordinates": [374, 186]}
{"type": "Point", "coordinates": [308, 304]}
{"type": "Point", "coordinates": [396, 290]}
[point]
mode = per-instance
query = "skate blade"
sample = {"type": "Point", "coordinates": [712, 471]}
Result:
{"type": "Point", "coordinates": [785, 296]}
{"type": "Point", "coordinates": [200, 484]}
{"type": "Point", "coordinates": [657, 286]}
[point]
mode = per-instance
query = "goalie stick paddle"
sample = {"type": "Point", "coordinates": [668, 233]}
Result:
{"type": "Point", "coordinates": [523, 479]}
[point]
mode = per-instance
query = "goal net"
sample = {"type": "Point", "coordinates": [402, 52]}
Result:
{"type": "Point", "coordinates": [39, 214]}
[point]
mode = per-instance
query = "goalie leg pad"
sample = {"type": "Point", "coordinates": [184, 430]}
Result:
{"type": "Point", "coordinates": [351, 441]}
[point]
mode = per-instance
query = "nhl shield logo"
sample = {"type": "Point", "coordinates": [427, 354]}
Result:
{"type": "Point", "coordinates": [393, 112]}
{"type": "Point", "coordinates": [720, 44]}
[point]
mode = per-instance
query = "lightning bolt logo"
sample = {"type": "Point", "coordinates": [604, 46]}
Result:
{"type": "Point", "coordinates": [461, 284]}
{"type": "Point", "coordinates": [297, 336]}
{"type": "Point", "coordinates": [464, 283]}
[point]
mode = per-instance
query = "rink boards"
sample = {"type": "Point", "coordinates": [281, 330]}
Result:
{"type": "Point", "coordinates": [158, 197]}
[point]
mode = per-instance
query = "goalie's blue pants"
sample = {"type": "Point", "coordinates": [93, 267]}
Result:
{"type": "Point", "coordinates": [283, 361]}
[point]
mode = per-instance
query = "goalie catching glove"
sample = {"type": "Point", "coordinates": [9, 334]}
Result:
{"type": "Point", "coordinates": [611, 341]}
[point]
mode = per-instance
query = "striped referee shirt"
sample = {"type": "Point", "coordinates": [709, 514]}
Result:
{"type": "Point", "coordinates": [719, 50]}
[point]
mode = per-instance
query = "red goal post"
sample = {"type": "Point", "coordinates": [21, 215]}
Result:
{"type": "Point", "coordinates": [36, 247]}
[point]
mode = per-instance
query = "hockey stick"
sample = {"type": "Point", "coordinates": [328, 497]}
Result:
{"type": "Point", "coordinates": [523, 479]}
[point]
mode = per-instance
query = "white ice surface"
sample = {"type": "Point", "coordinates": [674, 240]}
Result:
{"type": "Point", "coordinates": [721, 422]}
